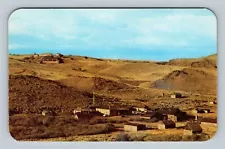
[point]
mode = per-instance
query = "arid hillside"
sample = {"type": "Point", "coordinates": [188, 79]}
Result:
{"type": "Point", "coordinates": [72, 83]}
{"type": "Point", "coordinates": [189, 80]}
{"type": "Point", "coordinates": [62, 84]}
{"type": "Point", "coordinates": [204, 62]}
{"type": "Point", "coordinates": [29, 94]}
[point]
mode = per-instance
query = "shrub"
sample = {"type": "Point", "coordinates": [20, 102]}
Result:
{"type": "Point", "coordinates": [47, 121]}
{"type": "Point", "coordinates": [138, 137]}
{"type": "Point", "coordinates": [122, 137]}
{"type": "Point", "coordinates": [92, 130]}
{"type": "Point", "coordinates": [201, 137]}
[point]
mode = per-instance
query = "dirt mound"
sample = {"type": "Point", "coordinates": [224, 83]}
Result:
{"type": "Point", "coordinates": [28, 94]}
{"type": "Point", "coordinates": [190, 80]}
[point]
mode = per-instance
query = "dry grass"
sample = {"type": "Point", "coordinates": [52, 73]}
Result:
{"type": "Point", "coordinates": [39, 127]}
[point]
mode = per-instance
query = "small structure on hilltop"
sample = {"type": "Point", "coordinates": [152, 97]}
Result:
{"type": "Point", "coordinates": [192, 128]}
{"type": "Point", "coordinates": [166, 124]}
{"type": "Point", "coordinates": [51, 60]}
{"type": "Point", "coordinates": [134, 127]}
{"type": "Point", "coordinates": [59, 55]}
{"type": "Point", "coordinates": [35, 55]}
{"type": "Point", "coordinates": [176, 95]}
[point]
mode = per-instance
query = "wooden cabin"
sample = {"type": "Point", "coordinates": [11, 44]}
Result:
{"type": "Point", "coordinates": [166, 124]}
{"type": "Point", "coordinates": [176, 95]}
{"type": "Point", "coordinates": [192, 128]}
{"type": "Point", "coordinates": [134, 127]}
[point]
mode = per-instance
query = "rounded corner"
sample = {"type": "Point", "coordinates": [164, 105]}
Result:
{"type": "Point", "coordinates": [13, 12]}
{"type": "Point", "coordinates": [212, 12]}
{"type": "Point", "coordinates": [212, 137]}
{"type": "Point", "coordinates": [12, 138]}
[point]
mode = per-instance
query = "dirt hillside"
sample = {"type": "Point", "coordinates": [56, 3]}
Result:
{"type": "Point", "coordinates": [204, 62]}
{"type": "Point", "coordinates": [34, 86]}
{"type": "Point", "coordinates": [190, 80]}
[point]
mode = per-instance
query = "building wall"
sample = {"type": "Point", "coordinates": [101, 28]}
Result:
{"type": "Point", "coordinates": [130, 128]}
{"type": "Point", "coordinates": [161, 126]}
{"type": "Point", "coordinates": [103, 111]}
{"type": "Point", "coordinates": [124, 112]}
{"type": "Point", "coordinates": [141, 109]}
{"type": "Point", "coordinates": [141, 127]}
{"type": "Point", "coordinates": [113, 112]}
{"type": "Point", "coordinates": [173, 96]}
{"type": "Point", "coordinates": [159, 116]}
{"type": "Point", "coordinates": [170, 126]}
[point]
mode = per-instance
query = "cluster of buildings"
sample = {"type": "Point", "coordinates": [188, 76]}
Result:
{"type": "Point", "coordinates": [165, 118]}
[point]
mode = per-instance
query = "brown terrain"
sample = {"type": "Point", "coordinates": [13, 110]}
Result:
{"type": "Point", "coordinates": [60, 85]}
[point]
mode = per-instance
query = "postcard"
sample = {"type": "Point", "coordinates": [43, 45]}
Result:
{"type": "Point", "coordinates": [112, 74]}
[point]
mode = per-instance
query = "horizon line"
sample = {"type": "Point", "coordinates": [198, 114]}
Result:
{"type": "Point", "coordinates": [105, 58]}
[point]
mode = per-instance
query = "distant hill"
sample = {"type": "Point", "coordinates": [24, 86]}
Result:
{"type": "Point", "coordinates": [205, 62]}
{"type": "Point", "coordinates": [190, 80]}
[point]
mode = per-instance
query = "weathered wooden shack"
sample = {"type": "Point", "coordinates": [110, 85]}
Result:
{"type": "Point", "coordinates": [176, 95]}
{"type": "Point", "coordinates": [134, 127]}
{"type": "Point", "coordinates": [192, 128]}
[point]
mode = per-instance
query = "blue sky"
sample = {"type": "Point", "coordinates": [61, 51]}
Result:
{"type": "Point", "coordinates": [142, 34]}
